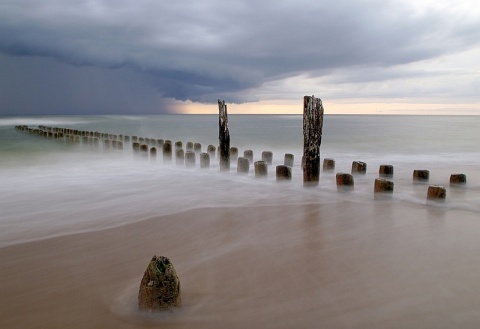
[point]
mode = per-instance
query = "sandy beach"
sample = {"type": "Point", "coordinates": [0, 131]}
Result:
{"type": "Point", "coordinates": [346, 265]}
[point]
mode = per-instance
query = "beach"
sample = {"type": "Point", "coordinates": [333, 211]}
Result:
{"type": "Point", "coordinates": [78, 227]}
{"type": "Point", "coordinates": [309, 266]}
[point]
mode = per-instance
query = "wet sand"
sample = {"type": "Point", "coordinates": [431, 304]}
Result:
{"type": "Point", "coordinates": [337, 265]}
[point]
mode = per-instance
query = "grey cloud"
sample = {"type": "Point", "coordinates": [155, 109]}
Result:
{"type": "Point", "coordinates": [200, 50]}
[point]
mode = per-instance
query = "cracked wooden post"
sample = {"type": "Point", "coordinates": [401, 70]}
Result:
{"type": "Point", "coordinates": [160, 286]}
{"type": "Point", "coordinates": [224, 136]}
{"type": "Point", "coordinates": [312, 138]}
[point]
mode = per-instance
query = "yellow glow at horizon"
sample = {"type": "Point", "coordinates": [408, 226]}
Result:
{"type": "Point", "coordinates": [290, 107]}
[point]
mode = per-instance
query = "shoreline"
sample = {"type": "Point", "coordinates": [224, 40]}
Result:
{"type": "Point", "coordinates": [317, 265]}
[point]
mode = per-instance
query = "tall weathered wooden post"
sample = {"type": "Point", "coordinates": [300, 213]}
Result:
{"type": "Point", "coordinates": [224, 136]}
{"type": "Point", "coordinates": [312, 138]}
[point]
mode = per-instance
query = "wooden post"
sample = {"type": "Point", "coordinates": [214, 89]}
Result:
{"type": "Point", "coordinates": [204, 160]}
{"type": "Point", "coordinates": [167, 151]}
{"type": "Point", "coordinates": [243, 165]}
{"type": "Point", "coordinates": [359, 167]}
{"type": "Point", "coordinates": [312, 138]}
{"type": "Point", "coordinates": [288, 160]}
{"type": "Point", "coordinates": [179, 157]}
{"type": "Point", "coordinates": [345, 182]}
{"type": "Point", "coordinates": [160, 286]}
{"type": "Point", "coordinates": [261, 169]}
{"type": "Point", "coordinates": [153, 153]}
{"type": "Point", "coordinates": [144, 150]}
{"type": "Point", "coordinates": [267, 156]}
{"type": "Point", "coordinates": [458, 179]}
{"type": "Point", "coordinates": [248, 154]}
{"type": "Point", "coordinates": [224, 136]}
{"type": "Point", "coordinates": [436, 193]}
{"type": "Point", "coordinates": [382, 188]}
{"type": "Point", "coordinates": [190, 159]}
{"type": "Point", "coordinates": [211, 149]}
{"type": "Point", "coordinates": [197, 148]}
{"type": "Point", "coordinates": [421, 175]}
{"type": "Point", "coordinates": [385, 171]}
{"type": "Point", "coordinates": [328, 164]}
{"type": "Point", "coordinates": [283, 172]}
{"type": "Point", "coordinates": [233, 153]}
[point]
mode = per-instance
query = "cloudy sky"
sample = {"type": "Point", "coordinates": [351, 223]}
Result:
{"type": "Point", "coordinates": [151, 56]}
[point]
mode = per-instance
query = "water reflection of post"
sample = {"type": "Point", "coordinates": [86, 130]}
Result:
{"type": "Point", "coordinates": [224, 136]}
{"type": "Point", "coordinates": [312, 138]}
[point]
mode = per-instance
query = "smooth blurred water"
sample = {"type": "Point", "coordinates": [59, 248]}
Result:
{"type": "Point", "coordinates": [49, 187]}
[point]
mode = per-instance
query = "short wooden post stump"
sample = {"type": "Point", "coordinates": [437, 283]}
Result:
{"type": "Point", "coordinates": [345, 182]}
{"type": "Point", "coordinates": [436, 193]}
{"type": "Point", "coordinates": [211, 150]}
{"type": "Point", "coordinates": [267, 156]}
{"type": "Point", "coordinates": [197, 148]}
{"type": "Point", "coordinates": [328, 164]}
{"type": "Point", "coordinates": [359, 167]}
{"type": "Point", "coordinates": [233, 153]}
{"type": "Point", "coordinates": [248, 154]}
{"type": "Point", "coordinates": [144, 150]}
{"type": "Point", "coordinates": [283, 173]}
{"type": "Point", "coordinates": [153, 153]}
{"type": "Point", "coordinates": [421, 176]}
{"type": "Point", "coordinates": [190, 159]}
{"type": "Point", "coordinates": [243, 165]}
{"type": "Point", "coordinates": [383, 188]}
{"type": "Point", "coordinates": [385, 171]}
{"type": "Point", "coordinates": [167, 151]}
{"type": "Point", "coordinates": [458, 179]}
{"type": "Point", "coordinates": [180, 157]}
{"type": "Point", "coordinates": [261, 169]}
{"type": "Point", "coordinates": [204, 160]}
{"type": "Point", "coordinates": [288, 160]}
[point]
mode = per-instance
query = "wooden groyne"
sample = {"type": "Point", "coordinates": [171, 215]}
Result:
{"type": "Point", "coordinates": [192, 156]}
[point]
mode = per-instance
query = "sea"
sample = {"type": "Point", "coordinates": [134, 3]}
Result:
{"type": "Point", "coordinates": [51, 187]}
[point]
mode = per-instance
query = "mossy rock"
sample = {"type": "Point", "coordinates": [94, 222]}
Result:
{"type": "Point", "coordinates": [160, 286]}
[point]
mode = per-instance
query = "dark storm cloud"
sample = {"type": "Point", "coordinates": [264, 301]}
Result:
{"type": "Point", "coordinates": [201, 50]}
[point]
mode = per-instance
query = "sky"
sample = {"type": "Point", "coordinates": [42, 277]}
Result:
{"type": "Point", "coordinates": [150, 56]}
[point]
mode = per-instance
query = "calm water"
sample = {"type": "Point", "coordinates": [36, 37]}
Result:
{"type": "Point", "coordinates": [50, 187]}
